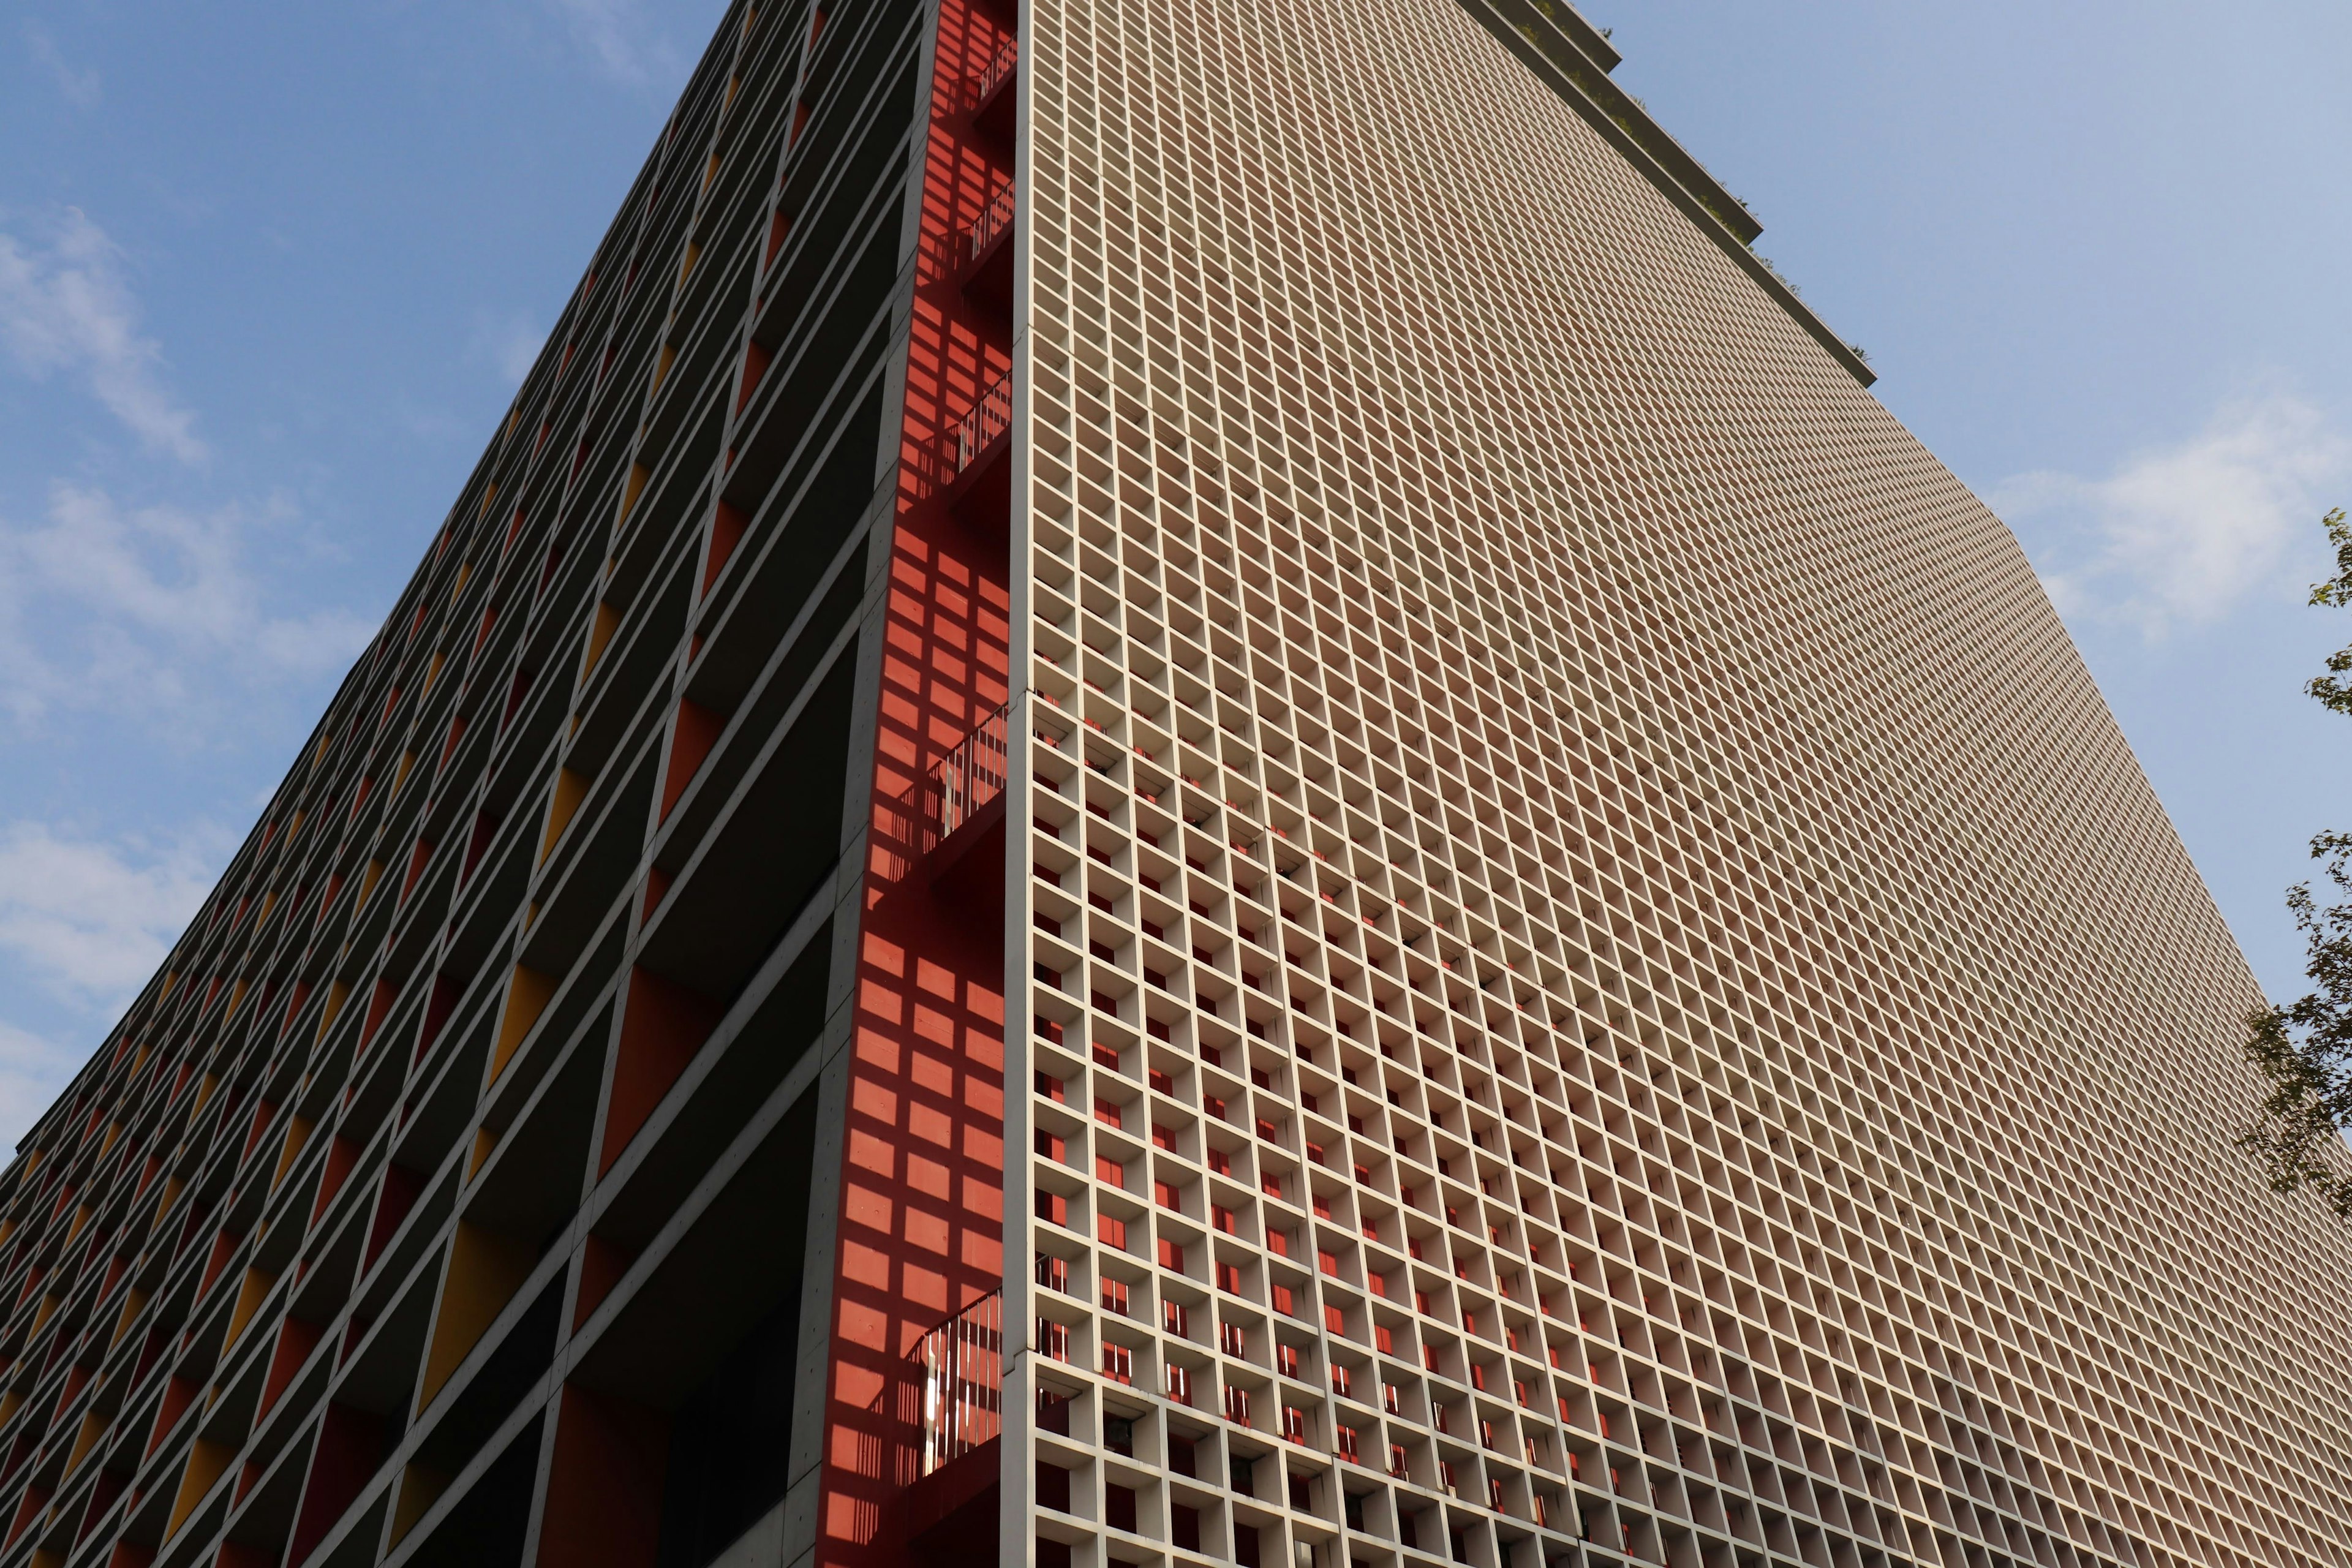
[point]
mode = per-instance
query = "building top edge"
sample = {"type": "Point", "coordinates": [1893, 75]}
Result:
{"type": "Point", "coordinates": [1572, 56]}
{"type": "Point", "coordinates": [1588, 39]}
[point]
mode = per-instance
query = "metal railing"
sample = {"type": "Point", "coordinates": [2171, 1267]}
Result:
{"type": "Point", "coordinates": [959, 1368]}
{"type": "Point", "coordinates": [966, 780]}
{"type": "Point", "coordinates": [988, 419]}
{"type": "Point", "coordinates": [988, 81]}
{"type": "Point", "coordinates": [992, 222]}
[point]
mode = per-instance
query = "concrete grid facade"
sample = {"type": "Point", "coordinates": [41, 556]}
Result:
{"type": "Point", "coordinates": [1713, 1044]}
{"type": "Point", "coordinates": [1188, 787]}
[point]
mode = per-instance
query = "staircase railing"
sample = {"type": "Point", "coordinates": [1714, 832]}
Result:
{"type": "Point", "coordinates": [959, 1368]}
{"type": "Point", "coordinates": [992, 221]}
{"type": "Point", "coordinates": [988, 419]}
{"type": "Point", "coordinates": [966, 780]}
{"type": "Point", "coordinates": [997, 70]}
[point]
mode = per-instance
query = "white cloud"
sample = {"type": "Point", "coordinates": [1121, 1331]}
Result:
{"type": "Point", "coordinates": [509, 342]}
{"type": "Point", "coordinates": [87, 924]}
{"type": "Point", "coordinates": [91, 921]}
{"type": "Point", "coordinates": [33, 1072]}
{"type": "Point", "coordinates": [80, 89]}
{"type": "Point", "coordinates": [2182, 536]}
{"type": "Point", "coordinates": [616, 38]}
{"type": "Point", "coordinates": [109, 605]}
{"type": "Point", "coordinates": [64, 306]}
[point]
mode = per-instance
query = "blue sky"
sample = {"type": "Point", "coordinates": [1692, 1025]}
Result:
{"type": "Point", "coordinates": [269, 273]}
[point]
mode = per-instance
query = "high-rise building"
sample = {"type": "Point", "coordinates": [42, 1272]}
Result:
{"type": "Point", "coordinates": [1189, 787]}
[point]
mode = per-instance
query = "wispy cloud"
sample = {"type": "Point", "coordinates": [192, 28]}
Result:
{"type": "Point", "coordinates": [65, 307]}
{"type": "Point", "coordinates": [617, 36]}
{"type": "Point", "coordinates": [79, 87]}
{"type": "Point", "coordinates": [510, 343]}
{"type": "Point", "coordinates": [32, 1070]}
{"type": "Point", "coordinates": [88, 921]}
{"type": "Point", "coordinates": [107, 606]}
{"type": "Point", "coordinates": [2181, 535]}
{"type": "Point", "coordinates": [84, 923]}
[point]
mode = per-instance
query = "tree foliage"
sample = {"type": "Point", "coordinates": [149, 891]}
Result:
{"type": "Point", "coordinates": [2331, 689]}
{"type": "Point", "coordinates": [2305, 1047]}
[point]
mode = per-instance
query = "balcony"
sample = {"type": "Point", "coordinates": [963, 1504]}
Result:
{"type": "Point", "coordinates": [993, 99]}
{"type": "Point", "coordinates": [990, 418]}
{"type": "Point", "coordinates": [952, 1404]}
{"type": "Point", "coordinates": [951, 810]}
{"type": "Point", "coordinates": [989, 225]}
{"type": "Point", "coordinates": [958, 1370]}
{"type": "Point", "coordinates": [967, 781]}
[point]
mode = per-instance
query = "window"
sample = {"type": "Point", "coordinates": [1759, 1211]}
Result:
{"type": "Point", "coordinates": [1114, 1297]}
{"type": "Point", "coordinates": [1054, 1273]}
{"type": "Point", "coordinates": [1237, 1406]}
{"type": "Point", "coordinates": [1053, 1338]}
{"type": "Point", "coordinates": [1180, 1385]}
{"type": "Point", "coordinates": [1231, 1340]}
{"type": "Point", "coordinates": [1118, 1363]}
{"type": "Point", "coordinates": [1175, 1320]}
{"type": "Point", "coordinates": [1294, 1423]}
{"type": "Point", "coordinates": [1285, 1359]}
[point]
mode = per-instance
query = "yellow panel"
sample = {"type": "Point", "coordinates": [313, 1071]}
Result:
{"type": "Point", "coordinates": [420, 1489]}
{"type": "Point", "coordinates": [93, 1427]}
{"type": "Point", "coordinates": [206, 1463]}
{"type": "Point", "coordinates": [565, 800]}
{"type": "Point", "coordinates": [526, 996]}
{"type": "Point", "coordinates": [485, 1268]}
{"type": "Point", "coordinates": [298, 1132]}
{"type": "Point", "coordinates": [248, 1297]}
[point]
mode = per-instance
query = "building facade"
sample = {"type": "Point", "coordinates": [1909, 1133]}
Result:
{"type": "Point", "coordinates": [1188, 787]}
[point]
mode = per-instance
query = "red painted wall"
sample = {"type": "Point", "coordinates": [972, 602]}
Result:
{"type": "Point", "coordinates": [922, 1178]}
